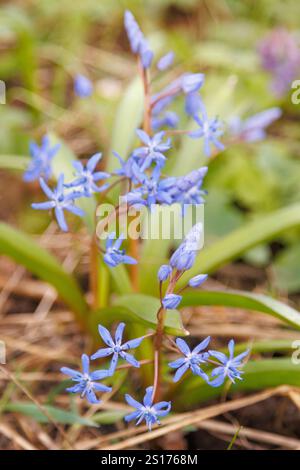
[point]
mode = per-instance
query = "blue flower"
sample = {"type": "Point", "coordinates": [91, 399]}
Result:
{"type": "Point", "coordinates": [187, 189]}
{"type": "Point", "coordinates": [161, 117]}
{"type": "Point", "coordinates": [254, 128]}
{"type": "Point", "coordinates": [139, 45]}
{"type": "Point", "coordinates": [210, 130]}
{"type": "Point", "coordinates": [191, 82]}
{"type": "Point", "coordinates": [165, 61]}
{"type": "Point", "coordinates": [41, 158]}
{"type": "Point", "coordinates": [83, 87]}
{"type": "Point", "coordinates": [198, 280]}
{"type": "Point", "coordinates": [171, 301]}
{"type": "Point", "coordinates": [114, 255]}
{"type": "Point", "coordinates": [153, 150]}
{"type": "Point", "coordinates": [188, 84]}
{"type": "Point", "coordinates": [191, 359]}
{"type": "Point", "coordinates": [87, 177]}
{"type": "Point", "coordinates": [116, 348]}
{"type": "Point", "coordinates": [168, 119]}
{"type": "Point", "coordinates": [126, 167]}
{"type": "Point", "coordinates": [59, 201]}
{"type": "Point", "coordinates": [86, 381]}
{"type": "Point", "coordinates": [152, 189]}
{"type": "Point", "coordinates": [193, 104]}
{"type": "Point", "coordinates": [164, 272]}
{"type": "Point", "coordinates": [229, 366]}
{"type": "Point", "coordinates": [146, 410]}
{"type": "Point", "coordinates": [184, 257]}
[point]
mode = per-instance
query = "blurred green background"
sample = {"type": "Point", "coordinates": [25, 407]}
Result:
{"type": "Point", "coordinates": [44, 44]}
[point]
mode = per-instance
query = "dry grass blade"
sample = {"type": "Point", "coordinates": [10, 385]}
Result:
{"type": "Point", "coordinates": [38, 405]}
{"type": "Point", "coordinates": [11, 434]}
{"type": "Point", "coordinates": [252, 434]}
{"type": "Point", "coordinates": [187, 419]}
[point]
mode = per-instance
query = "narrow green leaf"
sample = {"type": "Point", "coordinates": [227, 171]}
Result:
{"type": "Point", "coordinates": [146, 307]}
{"type": "Point", "coordinates": [246, 300]}
{"type": "Point", "coordinates": [121, 279]}
{"type": "Point", "coordinates": [22, 249]}
{"type": "Point", "coordinates": [128, 119]}
{"type": "Point", "coordinates": [266, 373]}
{"type": "Point", "coordinates": [109, 417]}
{"type": "Point", "coordinates": [57, 414]}
{"type": "Point", "coordinates": [14, 162]}
{"type": "Point", "coordinates": [240, 240]}
{"type": "Point", "coordinates": [141, 309]}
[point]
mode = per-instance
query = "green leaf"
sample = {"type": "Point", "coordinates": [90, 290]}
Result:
{"type": "Point", "coordinates": [128, 119]}
{"type": "Point", "coordinates": [242, 239]}
{"type": "Point", "coordinates": [287, 269]}
{"type": "Point", "coordinates": [121, 279]}
{"type": "Point", "coordinates": [245, 300]}
{"type": "Point", "coordinates": [259, 375]}
{"type": "Point", "coordinates": [141, 309]}
{"type": "Point", "coordinates": [109, 417]}
{"type": "Point", "coordinates": [14, 162]}
{"type": "Point", "coordinates": [57, 414]}
{"type": "Point", "coordinates": [146, 307]}
{"type": "Point", "coordinates": [22, 249]}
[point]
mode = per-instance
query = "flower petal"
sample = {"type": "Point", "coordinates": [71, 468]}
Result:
{"type": "Point", "coordinates": [182, 345]}
{"type": "Point", "coordinates": [132, 402]}
{"type": "Point", "coordinates": [106, 336]}
{"type": "Point", "coordinates": [148, 396]}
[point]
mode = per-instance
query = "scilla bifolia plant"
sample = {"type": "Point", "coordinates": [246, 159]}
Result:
{"type": "Point", "coordinates": [145, 184]}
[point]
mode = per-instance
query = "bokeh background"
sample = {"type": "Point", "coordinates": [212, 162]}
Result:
{"type": "Point", "coordinates": [44, 44]}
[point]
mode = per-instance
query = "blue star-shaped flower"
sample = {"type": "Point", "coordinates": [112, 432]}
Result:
{"type": "Point", "coordinates": [87, 177]}
{"type": "Point", "coordinates": [191, 360]}
{"type": "Point", "coordinates": [229, 366]}
{"type": "Point", "coordinates": [41, 158]}
{"type": "Point", "coordinates": [126, 167]}
{"type": "Point", "coordinates": [146, 410]}
{"type": "Point", "coordinates": [86, 381]}
{"type": "Point", "coordinates": [116, 348]}
{"type": "Point", "coordinates": [59, 201]}
{"type": "Point", "coordinates": [113, 254]}
{"type": "Point", "coordinates": [152, 189]}
{"type": "Point", "coordinates": [210, 130]}
{"type": "Point", "coordinates": [153, 150]}
{"type": "Point", "coordinates": [187, 189]}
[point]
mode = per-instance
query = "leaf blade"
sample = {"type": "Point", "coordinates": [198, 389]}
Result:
{"type": "Point", "coordinates": [22, 249]}
{"type": "Point", "coordinates": [243, 299]}
{"type": "Point", "coordinates": [242, 239]}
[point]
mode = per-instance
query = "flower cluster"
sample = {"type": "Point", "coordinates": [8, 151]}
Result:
{"type": "Point", "coordinates": [62, 197]}
{"type": "Point", "coordinates": [182, 260]}
{"type": "Point", "coordinates": [87, 383]}
{"type": "Point", "coordinates": [225, 366]}
{"type": "Point", "coordinates": [144, 172]}
{"type": "Point", "coordinates": [187, 85]}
